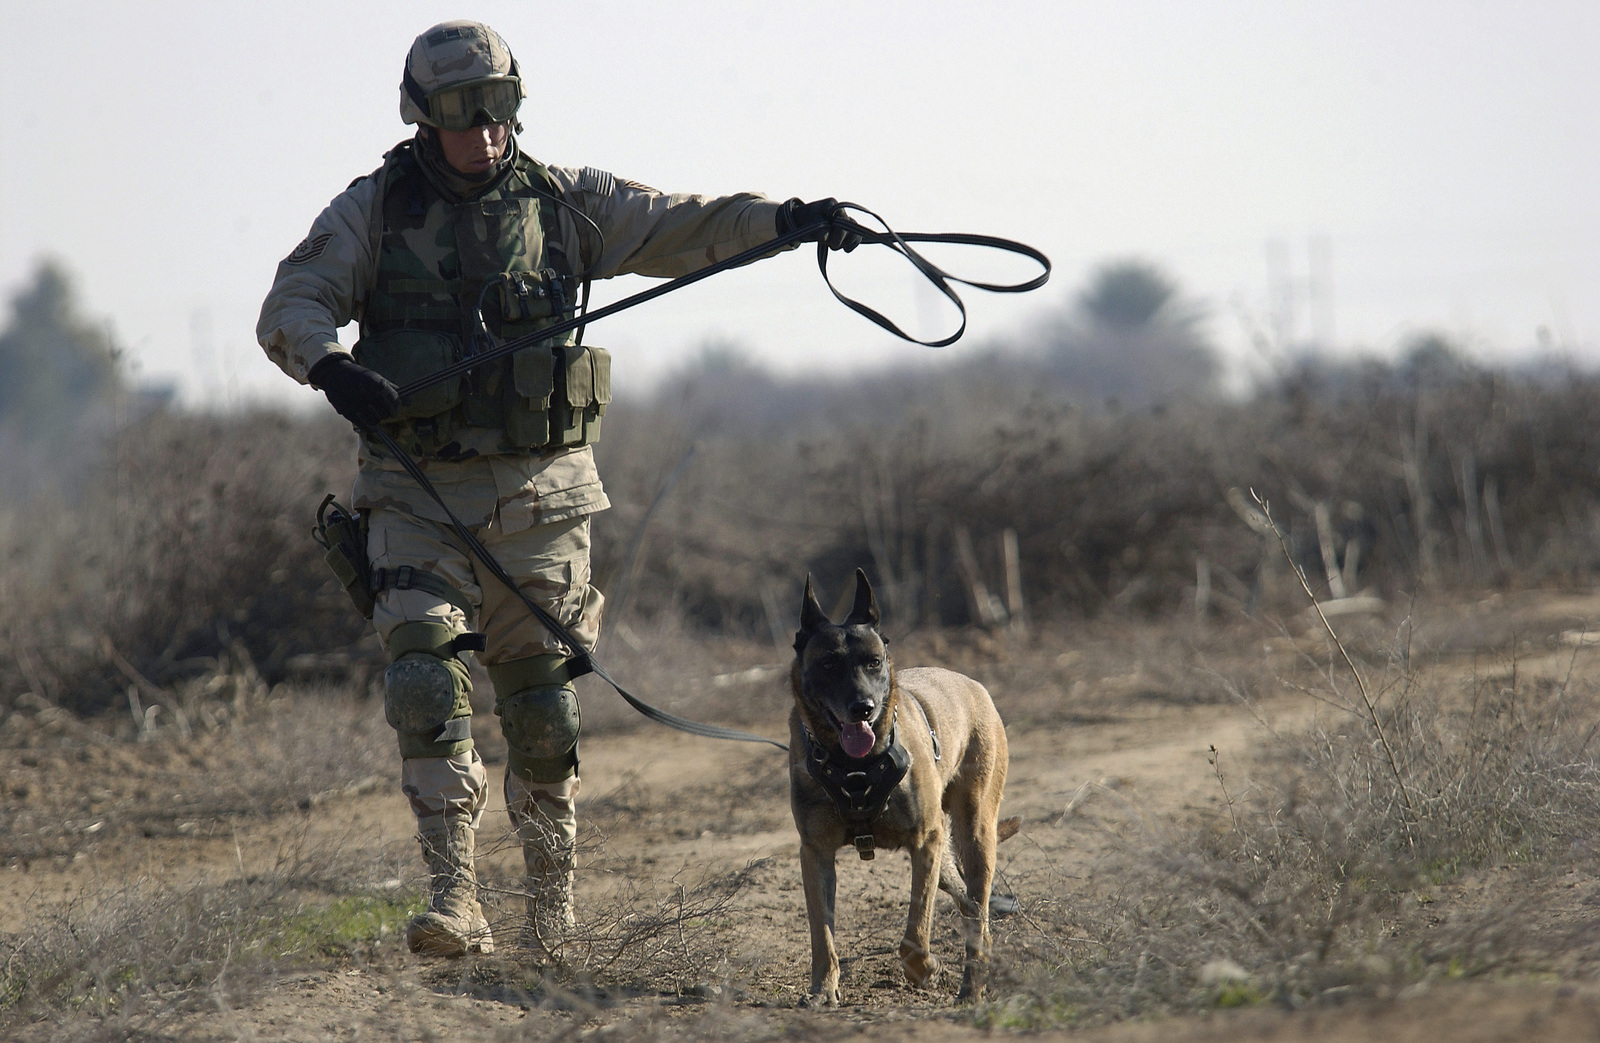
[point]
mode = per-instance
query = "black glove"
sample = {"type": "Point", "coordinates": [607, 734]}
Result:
{"type": "Point", "coordinates": [357, 393]}
{"type": "Point", "coordinates": [795, 214]}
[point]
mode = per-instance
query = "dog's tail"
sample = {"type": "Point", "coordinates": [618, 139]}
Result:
{"type": "Point", "coordinates": [950, 881]}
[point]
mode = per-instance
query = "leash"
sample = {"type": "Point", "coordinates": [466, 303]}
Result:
{"type": "Point", "coordinates": [581, 661]}
{"type": "Point", "coordinates": [899, 242]}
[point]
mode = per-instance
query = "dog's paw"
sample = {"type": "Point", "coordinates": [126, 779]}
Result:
{"type": "Point", "coordinates": [921, 966]}
{"type": "Point", "coordinates": [821, 999]}
{"type": "Point", "coordinates": [972, 982]}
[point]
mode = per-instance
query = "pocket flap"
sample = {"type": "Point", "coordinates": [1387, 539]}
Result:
{"type": "Point", "coordinates": [533, 372]}
{"type": "Point", "coordinates": [602, 375]}
{"type": "Point", "coordinates": [580, 376]}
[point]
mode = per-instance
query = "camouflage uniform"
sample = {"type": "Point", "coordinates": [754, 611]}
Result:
{"type": "Point", "coordinates": [528, 503]}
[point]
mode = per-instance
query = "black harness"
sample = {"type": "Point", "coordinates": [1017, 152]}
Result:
{"type": "Point", "coordinates": [860, 789]}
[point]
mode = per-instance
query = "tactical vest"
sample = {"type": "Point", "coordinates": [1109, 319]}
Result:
{"type": "Point", "coordinates": [436, 262]}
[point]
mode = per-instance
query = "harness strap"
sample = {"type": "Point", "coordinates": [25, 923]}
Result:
{"type": "Point", "coordinates": [453, 730]}
{"type": "Point", "coordinates": [927, 723]}
{"type": "Point", "coordinates": [860, 788]}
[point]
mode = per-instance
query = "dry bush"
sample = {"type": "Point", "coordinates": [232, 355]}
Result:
{"type": "Point", "coordinates": [634, 935]}
{"type": "Point", "coordinates": [1428, 474]}
{"type": "Point", "coordinates": [1330, 867]}
{"type": "Point", "coordinates": [192, 552]}
{"type": "Point", "coordinates": [149, 949]}
{"type": "Point", "coordinates": [189, 556]}
{"type": "Point", "coordinates": [69, 786]}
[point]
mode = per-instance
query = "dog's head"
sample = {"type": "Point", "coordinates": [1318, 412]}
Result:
{"type": "Point", "coordinates": [843, 678]}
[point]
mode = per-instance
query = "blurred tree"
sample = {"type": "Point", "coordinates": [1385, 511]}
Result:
{"type": "Point", "coordinates": [1432, 360]}
{"type": "Point", "coordinates": [1127, 294]}
{"type": "Point", "coordinates": [1133, 338]}
{"type": "Point", "coordinates": [58, 368]}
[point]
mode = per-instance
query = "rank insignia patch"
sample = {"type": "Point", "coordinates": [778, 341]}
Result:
{"type": "Point", "coordinates": [310, 249]}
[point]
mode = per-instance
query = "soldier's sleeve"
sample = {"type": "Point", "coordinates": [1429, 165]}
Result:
{"type": "Point", "coordinates": [648, 232]}
{"type": "Point", "coordinates": [321, 285]}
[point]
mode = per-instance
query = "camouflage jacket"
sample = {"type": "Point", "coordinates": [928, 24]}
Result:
{"type": "Point", "coordinates": [323, 283]}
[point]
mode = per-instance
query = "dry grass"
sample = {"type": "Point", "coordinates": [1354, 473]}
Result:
{"type": "Point", "coordinates": [175, 624]}
{"type": "Point", "coordinates": [121, 952]}
{"type": "Point", "coordinates": [1328, 867]}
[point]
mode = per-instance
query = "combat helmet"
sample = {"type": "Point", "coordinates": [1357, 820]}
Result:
{"type": "Point", "coordinates": [459, 75]}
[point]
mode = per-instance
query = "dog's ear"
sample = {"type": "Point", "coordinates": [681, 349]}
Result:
{"type": "Point", "coordinates": [812, 618]}
{"type": "Point", "coordinates": [866, 607]}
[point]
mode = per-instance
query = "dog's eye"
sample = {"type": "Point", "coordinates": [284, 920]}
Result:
{"type": "Point", "coordinates": [874, 663]}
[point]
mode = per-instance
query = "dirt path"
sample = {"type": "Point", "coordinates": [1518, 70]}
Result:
{"type": "Point", "coordinates": [671, 807]}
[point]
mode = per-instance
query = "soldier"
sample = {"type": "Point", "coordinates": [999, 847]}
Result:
{"type": "Point", "coordinates": [459, 218]}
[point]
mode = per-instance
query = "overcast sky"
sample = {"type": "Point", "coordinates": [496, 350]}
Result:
{"type": "Point", "coordinates": [1388, 166]}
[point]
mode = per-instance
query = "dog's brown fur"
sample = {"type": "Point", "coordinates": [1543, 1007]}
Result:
{"type": "Point", "coordinates": [838, 669]}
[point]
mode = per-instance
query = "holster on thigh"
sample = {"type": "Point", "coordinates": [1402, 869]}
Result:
{"type": "Point", "coordinates": [426, 690]}
{"type": "Point", "coordinates": [539, 717]}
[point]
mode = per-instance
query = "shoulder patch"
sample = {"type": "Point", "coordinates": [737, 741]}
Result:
{"type": "Point", "coordinates": [310, 249]}
{"type": "Point", "coordinates": [597, 181]}
{"type": "Point", "coordinates": [638, 186]}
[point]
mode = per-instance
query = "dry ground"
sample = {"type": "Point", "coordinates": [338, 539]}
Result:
{"type": "Point", "coordinates": [1109, 725]}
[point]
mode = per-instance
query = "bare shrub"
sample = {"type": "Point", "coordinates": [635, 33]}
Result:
{"type": "Point", "coordinates": [71, 785]}
{"type": "Point", "coordinates": [192, 550]}
{"type": "Point", "coordinates": [1327, 869]}
{"type": "Point", "coordinates": [120, 954]}
{"type": "Point", "coordinates": [1428, 474]}
{"type": "Point", "coordinates": [632, 935]}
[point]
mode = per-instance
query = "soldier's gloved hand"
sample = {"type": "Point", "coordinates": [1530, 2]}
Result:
{"type": "Point", "coordinates": [795, 214]}
{"type": "Point", "coordinates": [357, 393]}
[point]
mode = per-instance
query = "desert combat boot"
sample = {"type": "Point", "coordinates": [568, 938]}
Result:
{"type": "Point", "coordinates": [546, 821]}
{"type": "Point", "coordinates": [453, 924]}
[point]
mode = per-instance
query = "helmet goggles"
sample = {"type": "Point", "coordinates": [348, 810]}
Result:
{"type": "Point", "coordinates": [473, 104]}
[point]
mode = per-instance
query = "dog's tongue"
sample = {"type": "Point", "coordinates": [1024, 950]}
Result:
{"type": "Point", "coordinates": [857, 738]}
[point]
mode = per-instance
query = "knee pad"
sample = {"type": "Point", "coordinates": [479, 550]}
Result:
{"type": "Point", "coordinates": [539, 717]}
{"type": "Point", "coordinates": [426, 692]}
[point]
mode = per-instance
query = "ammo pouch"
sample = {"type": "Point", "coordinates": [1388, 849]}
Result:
{"type": "Point", "coordinates": [343, 536]}
{"type": "Point", "coordinates": [563, 391]}
{"type": "Point", "coordinates": [405, 356]}
{"type": "Point", "coordinates": [556, 396]}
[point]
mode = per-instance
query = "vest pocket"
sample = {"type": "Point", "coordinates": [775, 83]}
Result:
{"type": "Point", "coordinates": [534, 378]}
{"type": "Point", "coordinates": [588, 393]}
{"type": "Point", "coordinates": [404, 356]}
{"type": "Point", "coordinates": [562, 405]}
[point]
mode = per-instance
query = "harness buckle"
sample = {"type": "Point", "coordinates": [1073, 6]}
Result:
{"type": "Point", "coordinates": [864, 847]}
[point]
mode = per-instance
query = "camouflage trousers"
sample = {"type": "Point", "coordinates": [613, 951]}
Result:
{"type": "Point", "coordinates": [549, 562]}
{"type": "Point", "coordinates": [551, 565]}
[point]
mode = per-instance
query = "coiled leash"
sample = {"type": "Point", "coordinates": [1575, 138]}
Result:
{"type": "Point", "coordinates": [899, 242]}
{"type": "Point", "coordinates": [581, 662]}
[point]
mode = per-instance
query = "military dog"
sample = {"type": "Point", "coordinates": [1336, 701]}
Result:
{"type": "Point", "coordinates": [879, 758]}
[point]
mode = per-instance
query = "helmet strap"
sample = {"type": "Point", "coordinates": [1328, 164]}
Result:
{"type": "Point", "coordinates": [413, 88]}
